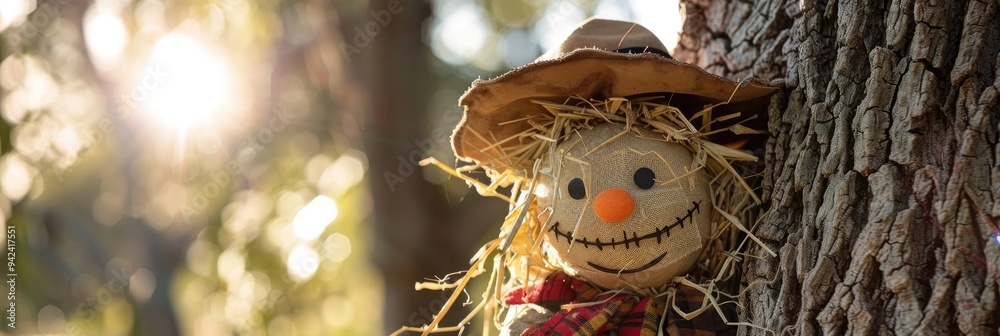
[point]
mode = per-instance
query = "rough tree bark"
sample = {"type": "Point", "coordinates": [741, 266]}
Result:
{"type": "Point", "coordinates": [881, 176]}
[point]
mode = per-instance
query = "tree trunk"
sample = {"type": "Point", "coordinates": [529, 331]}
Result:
{"type": "Point", "coordinates": [420, 233]}
{"type": "Point", "coordinates": [882, 184]}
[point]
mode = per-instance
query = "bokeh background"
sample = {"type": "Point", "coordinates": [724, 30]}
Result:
{"type": "Point", "coordinates": [224, 167]}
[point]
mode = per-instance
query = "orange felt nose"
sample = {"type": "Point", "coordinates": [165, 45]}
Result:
{"type": "Point", "coordinates": [614, 205]}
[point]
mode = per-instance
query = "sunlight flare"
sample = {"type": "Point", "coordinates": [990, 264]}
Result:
{"type": "Point", "coordinates": [310, 222]}
{"type": "Point", "coordinates": [187, 84]}
{"type": "Point", "coordinates": [106, 37]}
{"type": "Point", "coordinates": [302, 262]}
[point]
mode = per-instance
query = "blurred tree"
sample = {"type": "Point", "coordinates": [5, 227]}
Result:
{"type": "Point", "coordinates": [131, 219]}
{"type": "Point", "coordinates": [882, 172]}
{"type": "Point", "coordinates": [421, 233]}
{"type": "Point", "coordinates": [204, 157]}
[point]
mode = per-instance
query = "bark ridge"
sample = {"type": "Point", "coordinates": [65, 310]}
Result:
{"type": "Point", "coordinates": [881, 181]}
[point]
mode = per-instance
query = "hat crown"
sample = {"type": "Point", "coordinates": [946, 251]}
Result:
{"type": "Point", "coordinates": [600, 59]}
{"type": "Point", "coordinates": [608, 35]}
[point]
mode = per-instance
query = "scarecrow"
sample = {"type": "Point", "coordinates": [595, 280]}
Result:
{"type": "Point", "coordinates": [629, 210]}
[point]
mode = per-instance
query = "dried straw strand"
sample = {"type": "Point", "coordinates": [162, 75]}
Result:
{"type": "Point", "coordinates": [518, 257]}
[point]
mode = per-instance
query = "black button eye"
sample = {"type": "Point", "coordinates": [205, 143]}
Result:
{"type": "Point", "coordinates": [576, 189]}
{"type": "Point", "coordinates": [644, 178]}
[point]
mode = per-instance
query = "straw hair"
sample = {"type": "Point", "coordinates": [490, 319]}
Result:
{"type": "Point", "coordinates": [519, 255]}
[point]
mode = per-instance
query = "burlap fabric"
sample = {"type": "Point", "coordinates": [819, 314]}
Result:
{"type": "Point", "coordinates": [665, 232]}
{"type": "Point", "coordinates": [601, 59]}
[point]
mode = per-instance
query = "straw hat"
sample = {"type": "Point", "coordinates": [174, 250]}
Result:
{"type": "Point", "coordinates": [600, 59]}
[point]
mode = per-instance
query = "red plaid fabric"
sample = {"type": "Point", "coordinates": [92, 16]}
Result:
{"type": "Point", "coordinates": [628, 315]}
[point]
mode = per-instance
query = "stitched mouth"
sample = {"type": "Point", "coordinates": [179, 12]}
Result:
{"type": "Point", "coordinates": [627, 271]}
{"type": "Point", "coordinates": [613, 243]}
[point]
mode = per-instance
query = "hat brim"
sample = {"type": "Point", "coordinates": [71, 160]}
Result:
{"type": "Point", "coordinates": [590, 74]}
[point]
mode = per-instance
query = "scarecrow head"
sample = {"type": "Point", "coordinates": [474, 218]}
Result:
{"type": "Point", "coordinates": [631, 146]}
{"type": "Point", "coordinates": [625, 208]}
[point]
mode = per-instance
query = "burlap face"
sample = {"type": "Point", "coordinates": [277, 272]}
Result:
{"type": "Point", "coordinates": [663, 235]}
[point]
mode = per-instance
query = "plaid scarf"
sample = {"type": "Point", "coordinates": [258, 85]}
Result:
{"type": "Point", "coordinates": [629, 315]}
